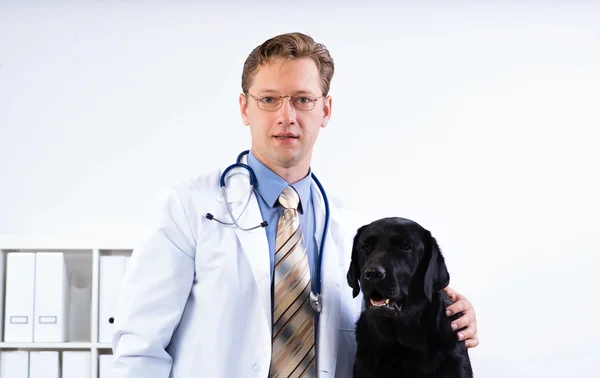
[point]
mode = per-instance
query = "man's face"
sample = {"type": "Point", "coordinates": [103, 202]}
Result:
{"type": "Point", "coordinates": [285, 138]}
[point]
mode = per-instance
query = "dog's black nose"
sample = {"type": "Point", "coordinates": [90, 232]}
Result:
{"type": "Point", "coordinates": [375, 273]}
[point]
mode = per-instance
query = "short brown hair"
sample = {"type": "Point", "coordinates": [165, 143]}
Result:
{"type": "Point", "coordinates": [289, 46]}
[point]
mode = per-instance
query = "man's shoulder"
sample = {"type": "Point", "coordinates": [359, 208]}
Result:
{"type": "Point", "coordinates": [200, 181]}
{"type": "Point", "coordinates": [192, 191]}
{"type": "Point", "coordinates": [346, 216]}
{"type": "Point", "coordinates": [341, 205]}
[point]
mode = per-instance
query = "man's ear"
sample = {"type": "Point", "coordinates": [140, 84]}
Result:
{"type": "Point", "coordinates": [353, 275]}
{"type": "Point", "coordinates": [436, 276]}
{"type": "Point", "coordinates": [243, 101]}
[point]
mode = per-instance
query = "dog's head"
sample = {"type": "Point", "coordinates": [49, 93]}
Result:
{"type": "Point", "coordinates": [395, 261]}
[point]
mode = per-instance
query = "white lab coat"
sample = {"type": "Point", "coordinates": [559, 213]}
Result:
{"type": "Point", "coordinates": [196, 299]}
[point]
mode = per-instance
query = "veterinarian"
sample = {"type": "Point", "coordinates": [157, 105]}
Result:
{"type": "Point", "coordinates": [245, 276]}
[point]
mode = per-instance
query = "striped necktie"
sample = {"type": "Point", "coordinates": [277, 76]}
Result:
{"type": "Point", "coordinates": [293, 322]}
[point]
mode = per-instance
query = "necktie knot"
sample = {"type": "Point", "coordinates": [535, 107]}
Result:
{"type": "Point", "coordinates": [289, 198]}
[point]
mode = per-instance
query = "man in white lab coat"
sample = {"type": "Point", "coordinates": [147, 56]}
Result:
{"type": "Point", "coordinates": [198, 297]}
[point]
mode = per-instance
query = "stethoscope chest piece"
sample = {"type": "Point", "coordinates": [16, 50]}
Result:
{"type": "Point", "coordinates": [315, 301]}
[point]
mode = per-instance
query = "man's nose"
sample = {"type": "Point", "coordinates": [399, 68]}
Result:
{"type": "Point", "coordinates": [287, 112]}
{"type": "Point", "coordinates": [374, 273]}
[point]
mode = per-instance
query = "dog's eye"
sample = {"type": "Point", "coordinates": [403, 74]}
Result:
{"type": "Point", "coordinates": [365, 248]}
{"type": "Point", "coordinates": [406, 246]}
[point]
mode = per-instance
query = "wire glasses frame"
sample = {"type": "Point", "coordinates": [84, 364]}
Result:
{"type": "Point", "coordinates": [273, 103]}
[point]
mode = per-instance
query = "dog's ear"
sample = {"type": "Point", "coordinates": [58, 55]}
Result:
{"type": "Point", "coordinates": [436, 276]}
{"type": "Point", "coordinates": [353, 275]}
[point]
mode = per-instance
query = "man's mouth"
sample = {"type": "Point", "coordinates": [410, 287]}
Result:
{"type": "Point", "coordinates": [286, 136]}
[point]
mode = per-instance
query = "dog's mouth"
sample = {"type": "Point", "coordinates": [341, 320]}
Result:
{"type": "Point", "coordinates": [379, 301]}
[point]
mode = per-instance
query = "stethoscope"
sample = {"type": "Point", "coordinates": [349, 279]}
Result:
{"type": "Point", "coordinates": [315, 297]}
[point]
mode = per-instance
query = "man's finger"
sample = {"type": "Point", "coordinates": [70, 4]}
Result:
{"type": "Point", "coordinates": [463, 321]}
{"type": "Point", "coordinates": [467, 333]}
{"type": "Point", "coordinates": [450, 292]}
{"type": "Point", "coordinates": [458, 306]}
{"type": "Point", "coordinates": [472, 342]}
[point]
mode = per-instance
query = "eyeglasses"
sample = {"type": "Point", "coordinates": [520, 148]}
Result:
{"type": "Point", "coordinates": [273, 103]}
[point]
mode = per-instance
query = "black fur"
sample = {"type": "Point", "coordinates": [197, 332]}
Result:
{"type": "Point", "coordinates": [396, 258]}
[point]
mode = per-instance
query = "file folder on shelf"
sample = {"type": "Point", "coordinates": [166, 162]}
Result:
{"type": "Point", "coordinates": [43, 365]}
{"type": "Point", "coordinates": [19, 301]}
{"type": "Point", "coordinates": [51, 288]}
{"type": "Point", "coordinates": [75, 364]}
{"type": "Point", "coordinates": [14, 364]}
{"type": "Point", "coordinates": [79, 309]}
{"type": "Point", "coordinates": [112, 268]}
{"type": "Point", "coordinates": [105, 365]}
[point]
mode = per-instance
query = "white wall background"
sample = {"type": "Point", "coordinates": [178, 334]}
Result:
{"type": "Point", "coordinates": [481, 122]}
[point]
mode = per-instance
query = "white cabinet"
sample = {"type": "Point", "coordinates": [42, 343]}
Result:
{"type": "Point", "coordinates": [82, 313]}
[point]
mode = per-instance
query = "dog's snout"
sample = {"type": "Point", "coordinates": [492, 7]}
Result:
{"type": "Point", "coordinates": [374, 273]}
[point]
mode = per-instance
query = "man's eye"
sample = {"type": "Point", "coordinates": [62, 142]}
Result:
{"type": "Point", "coordinates": [267, 100]}
{"type": "Point", "coordinates": [303, 100]}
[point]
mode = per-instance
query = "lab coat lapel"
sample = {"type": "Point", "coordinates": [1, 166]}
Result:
{"type": "Point", "coordinates": [329, 319]}
{"type": "Point", "coordinates": [253, 243]}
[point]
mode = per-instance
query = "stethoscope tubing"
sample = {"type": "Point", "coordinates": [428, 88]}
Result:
{"type": "Point", "coordinates": [316, 296]}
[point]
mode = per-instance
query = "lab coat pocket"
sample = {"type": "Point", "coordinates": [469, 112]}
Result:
{"type": "Point", "coordinates": [346, 353]}
{"type": "Point", "coordinates": [347, 321]}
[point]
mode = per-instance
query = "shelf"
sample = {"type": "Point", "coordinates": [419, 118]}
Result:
{"type": "Point", "coordinates": [44, 346]}
{"type": "Point", "coordinates": [64, 243]}
{"type": "Point", "coordinates": [83, 260]}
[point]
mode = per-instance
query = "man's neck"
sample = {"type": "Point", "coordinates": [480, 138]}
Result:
{"type": "Point", "coordinates": [291, 175]}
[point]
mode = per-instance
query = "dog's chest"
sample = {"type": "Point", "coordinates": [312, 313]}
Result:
{"type": "Point", "coordinates": [405, 367]}
{"type": "Point", "coordinates": [395, 360]}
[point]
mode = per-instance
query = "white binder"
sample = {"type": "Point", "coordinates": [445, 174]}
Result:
{"type": "Point", "coordinates": [80, 303]}
{"type": "Point", "coordinates": [43, 365]}
{"type": "Point", "coordinates": [76, 364]}
{"type": "Point", "coordinates": [50, 309]}
{"type": "Point", "coordinates": [105, 366]}
{"type": "Point", "coordinates": [14, 364]}
{"type": "Point", "coordinates": [112, 268]}
{"type": "Point", "coordinates": [20, 283]}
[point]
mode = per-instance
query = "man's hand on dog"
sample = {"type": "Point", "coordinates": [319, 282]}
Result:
{"type": "Point", "coordinates": [468, 319]}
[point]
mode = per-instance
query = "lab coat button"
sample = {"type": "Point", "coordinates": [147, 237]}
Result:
{"type": "Point", "coordinates": [256, 368]}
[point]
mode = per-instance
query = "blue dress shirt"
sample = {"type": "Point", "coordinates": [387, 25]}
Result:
{"type": "Point", "coordinates": [269, 186]}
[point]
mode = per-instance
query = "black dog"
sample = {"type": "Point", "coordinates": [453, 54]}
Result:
{"type": "Point", "coordinates": [403, 331]}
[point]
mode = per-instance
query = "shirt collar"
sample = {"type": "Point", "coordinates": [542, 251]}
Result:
{"type": "Point", "coordinates": [270, 185]}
